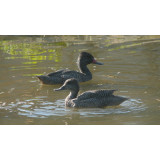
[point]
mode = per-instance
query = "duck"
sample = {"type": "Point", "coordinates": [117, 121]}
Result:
{"type": "Point", "coordinates": [60, 76]}
{"type": "Point", "coordinates": [89, 99]}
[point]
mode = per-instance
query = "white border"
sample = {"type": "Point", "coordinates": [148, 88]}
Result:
{"type": "Point", "coordinates": [85, 17]}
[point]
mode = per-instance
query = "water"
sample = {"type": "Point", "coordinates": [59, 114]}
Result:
{"type": "Point", "coordinates": [131, 65]}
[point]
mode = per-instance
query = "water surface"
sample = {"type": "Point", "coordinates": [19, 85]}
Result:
{"type": "Point", "coordinates": [131, 65]}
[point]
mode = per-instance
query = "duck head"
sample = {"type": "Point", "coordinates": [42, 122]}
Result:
{"type": "Point", "coordinates": [86, 58]}
{"type": "Point", "coordinates": [69, 84]}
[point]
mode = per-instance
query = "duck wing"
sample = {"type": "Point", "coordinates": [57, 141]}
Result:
{"type": "Point", "coordinates": [66, 74]}
{"type": "Point", "coordinates": [60, 76]}
{"type": "Point", "coordinates": [99, 102]}
{"type": "Point", "coordinates": [58, 73]}
{"type": "Point", "coordinates": [72, 74]}
{"type": "Point", "coordinates": [95, 94]}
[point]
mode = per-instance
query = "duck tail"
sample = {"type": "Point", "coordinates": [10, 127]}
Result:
{"type": "Point", "coordinates": [120, 99]}
{"type": "Point", "coordinates": [44, 79]}
{"type": "Point", "coordinates": [116, 100]}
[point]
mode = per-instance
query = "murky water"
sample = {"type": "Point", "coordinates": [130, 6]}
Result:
{"type": "Point", "coordinates": [131, 65]}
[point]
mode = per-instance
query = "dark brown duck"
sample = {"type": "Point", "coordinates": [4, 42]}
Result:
{"type": "Point", "coordinates": [61, 76]}
{"type": "Point", "coordinates": [89, 99]}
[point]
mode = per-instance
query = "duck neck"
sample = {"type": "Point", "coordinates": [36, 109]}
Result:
{"type": "Point", "coordinates": [73, 94]}
{"type": "Point", "coordinates": [84, 69]}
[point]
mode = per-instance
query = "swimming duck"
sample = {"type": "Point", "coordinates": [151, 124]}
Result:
{"type": "Point", "coordinates": [60, 76]}
{"type": "Point", "coordinates": [89, 99]}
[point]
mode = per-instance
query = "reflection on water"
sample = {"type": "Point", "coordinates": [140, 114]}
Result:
{"type": "Point", "coordinates": [131, 65]}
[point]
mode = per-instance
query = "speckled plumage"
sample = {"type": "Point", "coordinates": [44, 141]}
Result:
{"type": "Point", "coordinates": [89, 99]}
{"type": "Point", "coordinates": [60, 76]}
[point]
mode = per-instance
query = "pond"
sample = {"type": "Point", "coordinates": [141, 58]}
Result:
{"type": "Point", "coordinates": [131, 65]}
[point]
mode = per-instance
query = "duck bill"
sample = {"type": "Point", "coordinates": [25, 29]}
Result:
{"type": "Point", "coordinates": [95, 62]}
{"type": "Point", "coordinates": [59, 89]}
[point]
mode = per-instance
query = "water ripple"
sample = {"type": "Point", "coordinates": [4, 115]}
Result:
{"type": "Point", "coordinates": [57, 108]}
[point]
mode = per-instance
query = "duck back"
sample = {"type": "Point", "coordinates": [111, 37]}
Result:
{"type": "Point", "coordinates": [97, 98]}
